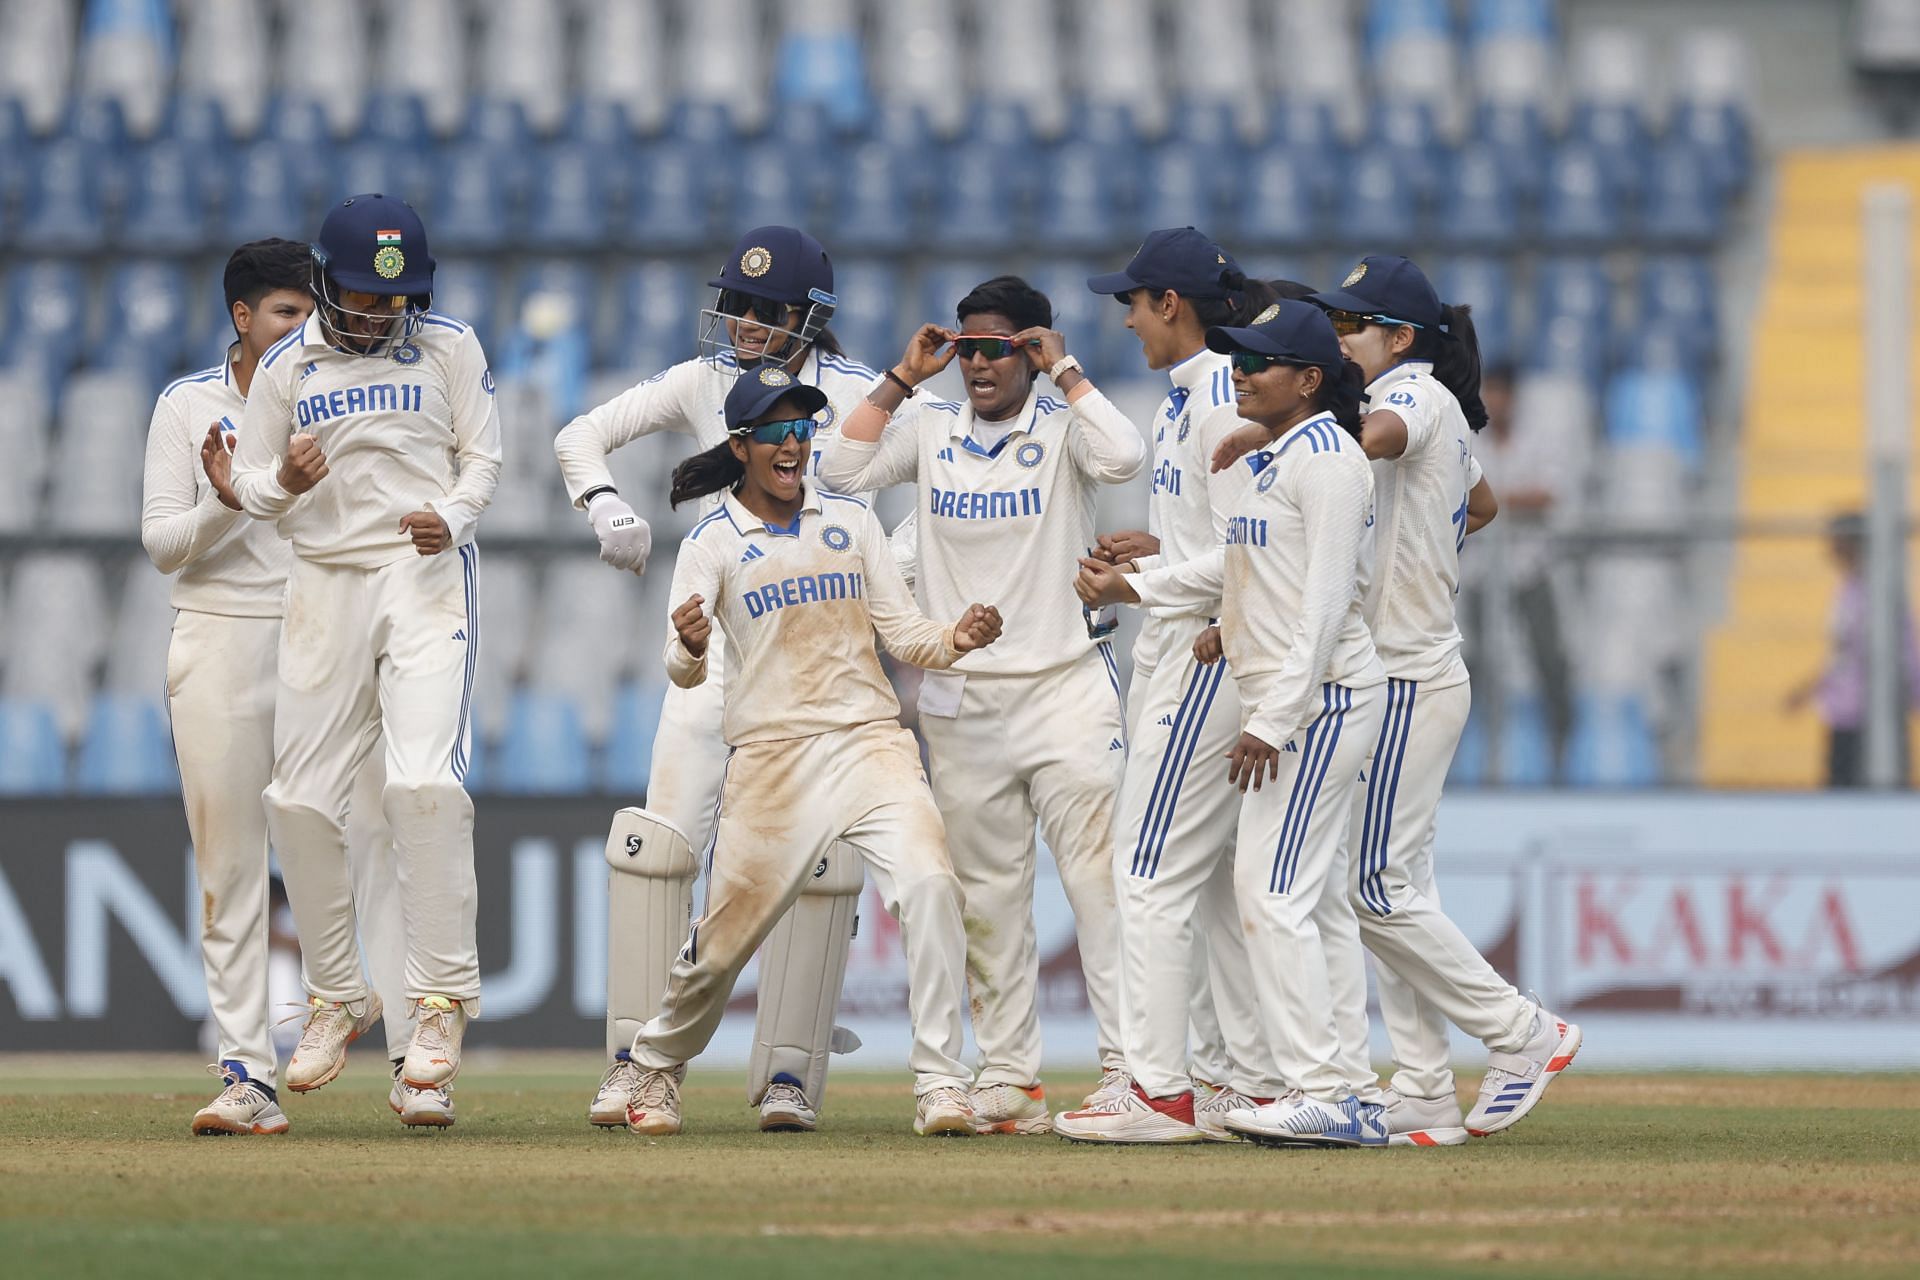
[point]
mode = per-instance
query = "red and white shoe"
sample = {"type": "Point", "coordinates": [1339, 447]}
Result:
{"type": "Point", "coordinates": [1210, 1116]}
{"type": "Point", "coordinates": [1516, 1081]}
{"type": "Point", "coordinates": [1132, 1117]}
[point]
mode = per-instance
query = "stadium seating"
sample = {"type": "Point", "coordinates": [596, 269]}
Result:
{"type": "Point", "coordinates": [542, 749]}
{"type": "Point", "coordinates": [33, 759]}
{"type": "Point", "coordinates": [127, 748]}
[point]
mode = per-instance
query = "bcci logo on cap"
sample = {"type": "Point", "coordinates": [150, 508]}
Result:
{"type": "Point", "coordinates": [1030, 453]}
{"type": "Point", "coordinates": [774, 377]}
{"type": "Point", "coordinates": [1271, 313]}
{"type": "Point", "coordinates": [836, 538]}
{"type": "Point", "coordinates": [756, 262]}
{"type": "Point", "coordinates": [1355, 276]}
{"type": "Point", "coordinates": [388, 261]}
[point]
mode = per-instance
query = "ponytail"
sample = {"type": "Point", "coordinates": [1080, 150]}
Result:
{"type": "Point", "coordinates": [1455, 352]}
{"type": "Point", "coordinates": [706, 473]}
{"type": "Point", "coordinates": [1341, 391]}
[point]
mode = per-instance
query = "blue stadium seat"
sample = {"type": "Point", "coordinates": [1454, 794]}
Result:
{"type": "Point", "coordinates": [14, 130]}
{"type": "Point", "coordinates": [1659, 408]}
{"type": "Point", "coordinates": [1526, 748]}
{"type": "Point", "coordinates": [1517, 134]}
{"type": "Point", "coordinates": [1612, 744]}
{"type": "Point", "coordinates": [265, 199]}
{"type": "Point", "coordinates": [467, 290]}
{"type": "Point", "coordinates": [1390, 20]}
{"type": "Point", "coordinates": [1076, 205]}
{"type": "Point", "coordinates": [628, 760]}
{"type": "Point", "coordinates": [865, 321]}
{"type": "Point", "coordinates": [569, 199]}
{"type": "Point", "coordinates": [300, 129]}
{"type": "Point", "coordinates": [1565, 344]}
{"type": "Point", "coordinates": [127, 748]}
{"type": "Point", "coordinates": [65, 206]}
{"type": "Point", "coordinates": [1469, 767]}
{"type": "Point", "coordinates": [1003, 131]}
{"type": "Point", "coordinates": [705, 126]}
{"type": "Point", "coordinates": [1305, 128]}
{"type": "Point", "coordinates": [170, 198]}
{"type": "Point", "coordinates": [599, 122]}
{"type": "Point", "coordinates": [1185, 186]}
{"type": "Point", "coordinates": [872, 210]}
{"type": "Point", "coordinates": [1679, 290]}
{"type": "Point", "coordinates": [47, 332]}
{"type": "Point", "coordinates": [474, 213]}
{"type": "Point", "coordinates": [1377, 204]}
{"type": "Point", "coordinates": [1575, 286]}
{"type": "Point", "coordinates": [399, 119]}
{"type": "Point", "coordinates": [1488, 18]}
{"type": "Point", "coordinates": [773, 185]}
{"type": "Point", "coordinates": [1721, 140]}
{"type": "Point", "coordinates": [556, 361]}
{"type": "Point", "coordinates": [979, 208]}
{"type": "Point", "coordinates": [197, 122]}
{"type": "Point", "coordinates": [33, 759]}
{"type": "Point", "coordinates": [147, 305]}
{"type": "Point", "coordinates": [1683, 204]}
{"type": "Point", "coordinates": [1086, 318]}
{"type": "Point", "coordinates": [1486, 285]}
{"type": "Point", "coordinates": [299, 122]}
{"type": "Point", "coordinates": [499, 127]}
{"type": "Point", "coordinates": [823, 68]}
{"type": "Point", "coordinates": [902, 127]}
{"type": "Point", "coordinates": [1407, 132]}
{"type": "Point", "coordinates": [1580, 207]}
{"type": "Point", "coordinates": [1278, 204]}
{"type": "Point", "coordinates": [97, 121]}
{"type": "Point", "coordinates": [1618, 135]}
{"type": "Point", "coordinates": [375, 165]}
{"type": "Point", "coordinates": [1478, 209]}
{"type": "Point", "coordinates": [671, 208]}
{"type": "Point", "coordinates": [543, 749]}
{"type": "Point", "coordinates": [652, 309]}
{"type": "Point", "coordinates": [942, 285]}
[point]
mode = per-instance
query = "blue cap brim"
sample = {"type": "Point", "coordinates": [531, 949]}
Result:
{"type": "Point", "coordinates": [1114, 283]}
{"type": "Point", "coordinates": [810, 399]}
{"type": "Point", "coordinates": [1340, 300]}
{"type": "Point", "coordinates": [1226, 341]}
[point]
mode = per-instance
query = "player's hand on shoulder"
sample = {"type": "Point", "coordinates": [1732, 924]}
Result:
{"type": "Point", "coordinates": [694, 626]}
{"type": "Point", "coordinates": [625, 539]}
{"type": "Point", "coordinates": [428, 530]}
{"type": "Point", "coordinates": [929, 350]}
{"type": "Point", "coordinates": [1238, 443]}
{"type": "Point", "coordinates": [1128, 544]}
{"type": "Point", "coordinates": [1099, 583]}
{"type": "Point", "coordinates": [1251, 760]}
{"type": "Point", "coordinates": [1044, 347]}
{"type": "Point", "coordinates": [304, 465]}
{"type": "Point", "coordinates": [217, 461]}
{"type": "Point", "coordinates": [978, 627]}
{"type": "Point", "coordinates": [1206, 647]}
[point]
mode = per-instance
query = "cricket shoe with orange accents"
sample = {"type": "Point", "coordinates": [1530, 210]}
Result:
{"type": "Point", "coordinates": [244, 1106]}
{"type": "Point", "coordinates": [1515, 1082]}
{"type": "Point", "coordinates": [1423, 1122]}
{"type": "Point", "coordinates": [654, 1111]}
{"type": "Point", "coordinates": [321, 1053]}
{"type": "Point", "coordinates": [1132, 1117]}
{"type": "Point", "coordinates": [1299, 1121]}
{"type": "Point", "coordinates": [439, 1027]}
{"type": "Point", "coordinates": [1210, 1114]}
{"type": "Point", "coordinates": [1011, 1108]}
{"type": "Point", "coordinates": [943, 1113]}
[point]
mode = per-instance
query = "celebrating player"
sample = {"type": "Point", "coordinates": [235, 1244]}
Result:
{"type": "Point", "coordinates": [800, 581]}
{"type": "Point", "coordinates": [1173, 837]}
{"type": "Point", "coordinates": [775, 299]}
{"type": "Point", "coordinates": [1007, 483]}
{"type": "Point", "coordinates": [371, 436]}
{"type": "Point", "coordinates": [1422, 364]}
{"type": "Point", "coordinates": [1290, 580]}
{"type": "Point", "coordinates": [220, 691]}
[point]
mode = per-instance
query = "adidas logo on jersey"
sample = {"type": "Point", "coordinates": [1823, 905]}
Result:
{"type": "Point", "coordinates": [946, 454]}
{"type": "Point", "coordinates": [1290, 747]}
{"type": "Point", "coordinates": [753, 553]}
{"type": "Point", "coordinates": [1116, 745]}
{"type": "Point", "coordinates": [461, 634]}
{"type": "Point", "coordinates": [1167, 720]}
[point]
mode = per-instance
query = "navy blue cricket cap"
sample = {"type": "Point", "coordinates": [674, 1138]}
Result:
{"type": "Point", "coordinates": [1176, 258]}
{"type": "Point", "coordinates": [1292, 331]}
{"type": "Point", "coordinates": [375, 243]}
{"type": "Point", "coordinates": [1385, 285]}
{"type": "Point", "coordinates": [784, 264]}
{"type": "Point", "coordinates": [758, 390]}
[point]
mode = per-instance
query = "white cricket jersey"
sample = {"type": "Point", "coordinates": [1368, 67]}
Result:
{"type": "Point", "coordinates": [227, 564]}
{"type": "Point", "coordinates": [799, 607]}
{"type": "Point", "coordinates": [690, 398]}
{"type": "Point", "coordinates": [1422, 505]}
{"type": "Point", "coordinates": [1187, 510]}
{"type": "Point", "coordinates": [1004, 526]}
{"type": "Point", "coordinates": [410, 429]}
{"type": "Point", "coordinates": [1291, 579]}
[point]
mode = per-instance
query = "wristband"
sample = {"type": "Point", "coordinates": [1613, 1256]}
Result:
{"type": "Point", "coordinates": [900, 382]}
{"type": "Point", "coordinates": [1063, 364]}
{"type": "Point", "coordinates": [586, 499]}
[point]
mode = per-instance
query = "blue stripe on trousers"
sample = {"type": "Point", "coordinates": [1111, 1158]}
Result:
{"type": "Point", "coordinates": [1323, 738]}
{"type": "Point", "coordinates": [1184, 740]}
{"type": "Point", "coordinates": [1383, 789]}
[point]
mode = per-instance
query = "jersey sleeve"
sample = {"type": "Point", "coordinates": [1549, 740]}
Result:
{"type": "Point", "coordinates": [176, 524]}
{"type": "Point", "coordinates": [1474, 473]}
{"type": "Point", "coordinates": [265, 428]}
{"type": "Point", "coordinates": [1416, 404]}
{"type": "Point", "coordinates": [1335, 495]}
{"type": "Point", "coordinates": [908, 634]}
{"type": "Point", "coordinates": [905, 543]}
{"type": "Point", "coordinates": [476, 438]}
{"type": "Point", "coordinates": [1190, 584]}
{"type": "Point", "coordinates": [1102, 441]}
{"type": "Point", "coordinates": [658, 404]}
{"type": "Point", "coordinates": [695, 573]}
{"type": "Point", "coordinates": [861, 466]}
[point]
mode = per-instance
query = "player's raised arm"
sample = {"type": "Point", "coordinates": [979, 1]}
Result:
{"type": "Point", "coordinates": [1102, 441]}
{"type": "Point", "coordinates": [695, 599]}
{"type": "Point", "coordinates": [476, 439]}
{"type": "Point", "coordinates": [875, 447]}
{"type": "Point", "coordinates": [908, 634]}
{"type": "Point", "coordinates": [176, 524]}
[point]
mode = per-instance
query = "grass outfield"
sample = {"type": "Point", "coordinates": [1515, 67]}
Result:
{"type": "Point", "coordinates": [1615, 1175]}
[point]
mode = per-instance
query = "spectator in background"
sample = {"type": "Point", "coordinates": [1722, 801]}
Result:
{"type": "Point", "coordinates": [1534, 473]}
{"type": "Point", "coordinates": [1839, 690]}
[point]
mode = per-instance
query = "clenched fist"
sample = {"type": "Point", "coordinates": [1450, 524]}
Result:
{"type": "Point", "coordinates": [694, 626]}
{"type": "Point", "coordinates": [430, 533]}
{"type": "Point", "coordinates": [1099, 583]}
{"type": "Point", "coordinates": [304, 466]}
{"type": "Point", "coordinates": [977, 628]}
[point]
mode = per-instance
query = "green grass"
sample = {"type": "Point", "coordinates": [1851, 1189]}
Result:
{"type": "Point", "coordinates": [1616, 1175]}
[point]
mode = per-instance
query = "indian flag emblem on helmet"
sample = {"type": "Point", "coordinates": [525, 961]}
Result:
{"type": "Point", "coordinates": [1354, 276]}
{"type": "Point", "coordinates": [756, 262]}
{"type": "Point", "coordinates": [1271, 313]}
{"type": "Point", "coordinates": [772, 377]}
{"type": "Point", "coordinates": [388, 261]}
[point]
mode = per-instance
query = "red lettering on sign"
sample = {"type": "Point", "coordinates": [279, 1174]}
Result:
{"type": "Point", "coordinates": [1598, 922]}
{"type": "Point", "coordinates": [1681, 921]}
{"type": "Point", "coordinates": [1831, 920]}
{"type": "Point", "coordinates": [1748, 921]}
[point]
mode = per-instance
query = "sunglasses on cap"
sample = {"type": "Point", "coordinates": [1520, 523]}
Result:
{"type": "Point", "coordinates": [1252, 362]}
{"type": "Point", "coordinates": [1346, 322]}
{"type": "Point", "coordinates": [994, 346]}
{"type": "Point", "coordinates": [740, 305]}
{"type": "Point", "coordinates": [777, 432]}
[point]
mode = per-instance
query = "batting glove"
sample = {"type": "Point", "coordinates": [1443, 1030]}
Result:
{"type": "Point", "coordinates": [625, 539]}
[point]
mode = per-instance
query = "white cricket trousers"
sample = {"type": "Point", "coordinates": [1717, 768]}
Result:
{"type": "Point", "coordinates": [221, 684]}
{"type": "Point", "coordinates": [1291, 878]}
{"type": "Point", "coordinates": [1183, 953]}
{"type": "Point", "coordinates": [785, 808]}
{"type": "Point", "coordinates": [364, 650]}
{"type": "Point", "coordinates": [1429, 972]}
{"type": "Point", "coordinates": [1050, 746]}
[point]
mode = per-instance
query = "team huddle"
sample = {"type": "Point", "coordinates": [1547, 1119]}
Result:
{"type": "Point", "coordinates": [1232, 830]}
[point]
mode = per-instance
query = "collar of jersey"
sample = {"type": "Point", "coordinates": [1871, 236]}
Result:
{"type": "Point", "coordinates": [1280, 446]}
{"type": "Point", "coordinates": [1398, 373]}
{"type": "Point", "coordinates": [962, 428]}
{"type": "Point", "coordinates": [744, 522]}
{"type": "Point", "coordinates": [1196, 368]}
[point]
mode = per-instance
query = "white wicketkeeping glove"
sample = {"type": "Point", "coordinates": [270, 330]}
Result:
{"type": "Point", "coordinates": [625, 539]}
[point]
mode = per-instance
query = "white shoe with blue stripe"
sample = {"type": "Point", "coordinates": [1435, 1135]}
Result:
{"type": "Point", "coordinates": [1296, 1120]}
{"type": "Point", "coordinates": [1516, 1081]}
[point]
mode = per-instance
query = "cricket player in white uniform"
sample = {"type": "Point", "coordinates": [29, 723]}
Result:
{"type": "Point", "coordinates": [228, 596]}
{"type": "Point", "coordinates": [775, 300]}
{"type": "Point", "coordinates": [1423, 402]}
{"type": "Point", "coordinates": [1291, 579]}
{"type": "Point", "coordinates": [1034, 726]}
{"type": "Point", "coordinates": [1174, 836]}
{"type": "Point", "coordinates": [371, 438]}
{"type": "Point", "coordinates": [799, 582]}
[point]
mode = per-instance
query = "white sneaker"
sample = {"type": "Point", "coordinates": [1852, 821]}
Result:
{"type": "Point", "coordinates": [421, 1108]}
{"type": "Point", "coordinates": [1132, 1117]}
{"type": "Point", "coordinates": [1210, 1114]}
{"type": "Point", "coordinates": [1423, 1122]}
{"type": "Point", "coordinates": [1515, 1081]}
{"type": "Point", "coordinates": [655, 1108]}
{"type": "Point", "coordinates": [609, 1109]}
{"type": "Point", "coordinates": [244, 1106]}
{"type": "Point", "coordinates": [322, 1052]}
{"type": "Point", "coordinates": [1011, 1108]}
{"type": "Point", "coordinates": [943, 1113]}
{"type": "Point", "coordinates": [1114, 1081]}
{"type": "Point", "coordinates": [433, 1059]}
{"type": "Point", "coordinates": [1299, 1121]}
{"type": "Point", "coordinates": [784, 1108]}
